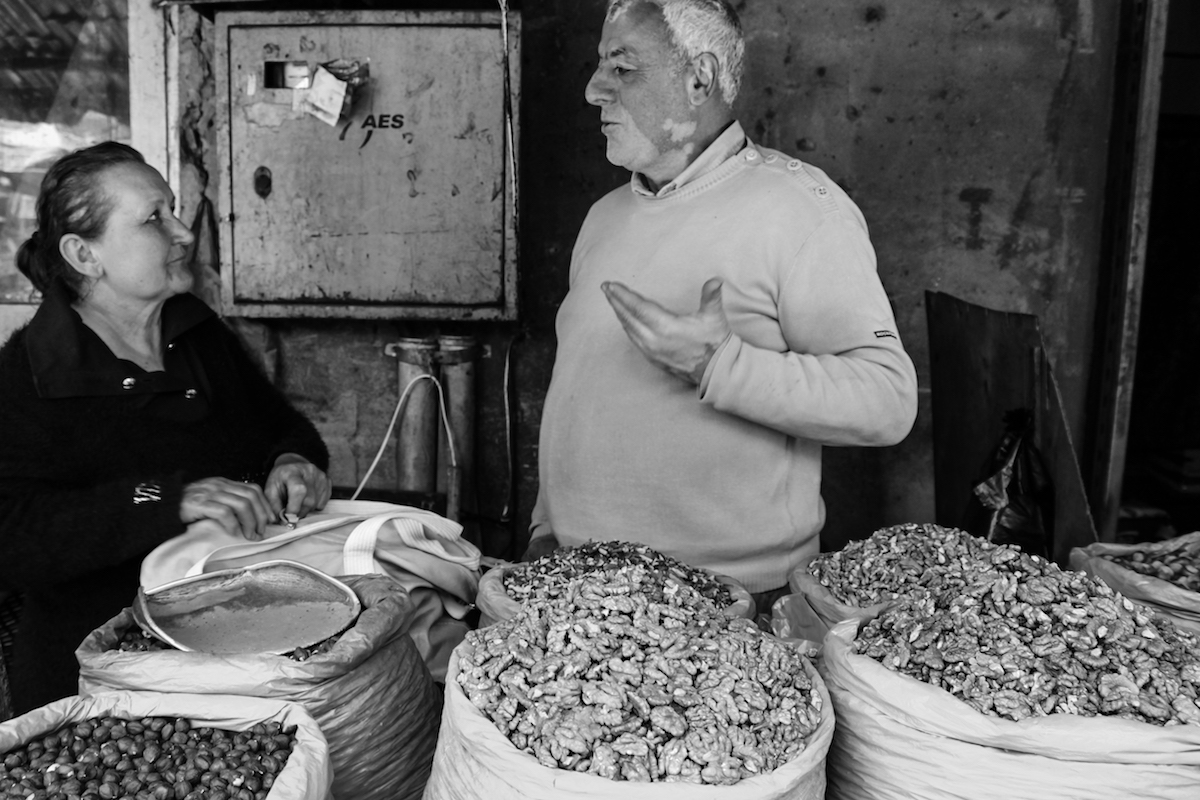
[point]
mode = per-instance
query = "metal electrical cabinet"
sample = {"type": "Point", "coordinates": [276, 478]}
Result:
{"type": "Point", "coordinates": [402, 208]}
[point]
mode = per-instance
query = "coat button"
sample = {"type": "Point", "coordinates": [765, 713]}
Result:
{"type": "Point", "coordinates": [128, 383]}
{"type": "Point", "coordinates": [170, 345]}
{"type": "Point", "coordinates": [821, 191]}
{"type": "Point", "coordinates": [190, 394]}
{"type": "Point", "coordinates": [751, 154]}
{"type": "Point", "coordinates": [794, 164]}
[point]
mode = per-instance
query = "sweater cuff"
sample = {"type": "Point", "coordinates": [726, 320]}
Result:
{"type": "Point", "coordinates": [726, 346]}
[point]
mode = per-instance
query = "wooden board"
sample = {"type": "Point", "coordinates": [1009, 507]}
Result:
{"type": "Point", "coordinates": [983, 363]}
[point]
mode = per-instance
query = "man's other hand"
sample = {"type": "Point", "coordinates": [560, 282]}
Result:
{"type": "Point", "coordinates": [540, 546]}
{"type": "Point", "coordinates": [682, 344]}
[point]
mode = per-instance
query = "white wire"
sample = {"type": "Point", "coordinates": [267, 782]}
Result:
{"type": "Point", "coordinates": [510, 139]}
{"type": "Point", "coordinates": [509, 130]}
{"type": "Point", "coordinates": [387, 436]}
{"type": "Point", "coordinates": [506, 512]}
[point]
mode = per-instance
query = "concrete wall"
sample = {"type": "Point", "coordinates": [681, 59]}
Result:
{"type": "Point", "coordinates": [972, 134]}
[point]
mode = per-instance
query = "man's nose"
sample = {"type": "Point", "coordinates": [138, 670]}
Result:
{"type": "Point", "coordinates": [597, 92]}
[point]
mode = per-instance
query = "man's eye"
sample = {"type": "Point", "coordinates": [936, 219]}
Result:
{"type": "Point", "coordinates": [621, 71]}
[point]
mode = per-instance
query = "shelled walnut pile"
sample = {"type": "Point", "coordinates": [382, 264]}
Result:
{"type": "Point", "coordinates": [549, 575]}
{"type": "Point", "coordinates": [633, 677]}
{"type": "Point", "coordinates": [1014, 636]}
{"type": "Point", "coordinates": [895, 560]}
{"type": "Point", "coordinates": [1178, 564]}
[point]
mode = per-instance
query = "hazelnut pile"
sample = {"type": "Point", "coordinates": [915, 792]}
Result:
{"type": "Point", "coordinates": [152, 758]}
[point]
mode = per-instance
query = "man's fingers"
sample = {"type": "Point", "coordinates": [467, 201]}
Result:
{"type": "Point", "coordinates": [638, 307]}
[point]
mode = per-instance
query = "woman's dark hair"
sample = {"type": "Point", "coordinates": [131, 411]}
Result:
{"type": "Point", "coordinates": [70, 201]}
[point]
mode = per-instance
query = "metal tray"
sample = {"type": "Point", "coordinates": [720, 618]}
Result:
{"type": "Point", "coordinates": [272, 607]}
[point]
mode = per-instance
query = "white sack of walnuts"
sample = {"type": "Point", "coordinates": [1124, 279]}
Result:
{"type": "Point", "coordinates": [636, 685]}
{"type": "Point", "coordinates": [1013, 635]}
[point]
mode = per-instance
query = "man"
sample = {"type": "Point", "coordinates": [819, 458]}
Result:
{"type": "Point", "coordinates": [699, 432]}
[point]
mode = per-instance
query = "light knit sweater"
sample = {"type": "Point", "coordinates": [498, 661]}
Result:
{"type": "Point", "coordinates": [726, 476]}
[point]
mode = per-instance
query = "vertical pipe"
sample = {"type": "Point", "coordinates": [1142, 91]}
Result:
{"type": "Point", "coordinates": [416, 440]}
{"type": "Point", "coordinates": [457, 355]}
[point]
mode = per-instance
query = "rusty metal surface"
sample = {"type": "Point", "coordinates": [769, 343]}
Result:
{"type": "Point", "coordinates": [400, 209]}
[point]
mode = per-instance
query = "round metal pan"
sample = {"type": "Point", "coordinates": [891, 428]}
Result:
{"type": "Point", "coordinates": [272, 607]}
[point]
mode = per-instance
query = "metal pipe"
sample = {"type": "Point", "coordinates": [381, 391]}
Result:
{"type": "Point", "coordinates": [417, 437]}
{"type": "Point", "coordinates": [457, 355]}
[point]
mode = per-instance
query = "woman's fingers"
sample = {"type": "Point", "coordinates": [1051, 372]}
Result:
{"type": "Point", "coordinates": [239, 508]}
{"type": "Point", "coordinates": [298, 487]}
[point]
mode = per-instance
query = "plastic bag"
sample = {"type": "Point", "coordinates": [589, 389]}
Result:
{"type": "Point", "coordinates": [1170, 600]}
{"type": "Point", "coordinates": [793, 619]}
{"type": "Point", "coordinates": [495, 604]}
{"type": "Point", "coordinates": [371, 694]}
{"type": "Point", "coordinates": [492, 600]}
{"type": "Point", "coordinates": [306, 776]}
{"type": "Point", "coordinates": [898, 738]}
{"type": "Point", "coordinates": [1016, 500]}
{"type": "Point", "coordinates": [828, 609]}
{"type": "Point", "coordinates": [475, 759]}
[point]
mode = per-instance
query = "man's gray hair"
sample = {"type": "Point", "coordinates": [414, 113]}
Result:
{"type": "Point", "coordinates": [700, 26]}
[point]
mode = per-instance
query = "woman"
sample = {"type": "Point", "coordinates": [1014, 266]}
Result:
{"type": "Point", "coordinates": [128, 411]}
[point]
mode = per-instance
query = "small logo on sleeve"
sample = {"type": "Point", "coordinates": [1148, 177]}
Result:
{"type": "Point", "coordinates": [885, 335]}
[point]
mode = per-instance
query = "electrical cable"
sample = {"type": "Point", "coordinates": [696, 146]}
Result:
{"type": "Point", "coordinates": [506, 513]}
{"type": "Point", "coordinates": [510, 141]}
{"type": "Point", "coordinates": [387, 436]}
{"type": "Point", "coordinates": [509, 129]}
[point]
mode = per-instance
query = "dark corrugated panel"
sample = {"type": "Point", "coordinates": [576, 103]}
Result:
{"type": "Point", "coordinates": [28, 20]}
{"type": "Point", "coordinates": [38, 33]}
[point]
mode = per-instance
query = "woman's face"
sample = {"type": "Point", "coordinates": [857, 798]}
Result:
{"type": "Point", "coordinates": [142, 254]}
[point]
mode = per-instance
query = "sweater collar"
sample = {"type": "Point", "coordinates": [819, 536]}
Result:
{"type": "Point", "coordinates": [68, 359]}
{"type": "Point", "coordinates": [724, 147]}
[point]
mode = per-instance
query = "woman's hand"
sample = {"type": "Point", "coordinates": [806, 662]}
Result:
{"type": "Point", "coordinates": [239, 508]}
{"type": "Point", "coordinates": [297, 486]}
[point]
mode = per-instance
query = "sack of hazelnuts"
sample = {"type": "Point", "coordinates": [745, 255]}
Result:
{"type": "Point", "coordinates": [369, 690]}
{"type": "Point", "coordinates": [165, 746]}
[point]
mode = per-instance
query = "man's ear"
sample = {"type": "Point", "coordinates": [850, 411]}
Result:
{"type": "Point", "coordinates": [702, 79]}
{"type": "Point", "coordinates": [76, 251]}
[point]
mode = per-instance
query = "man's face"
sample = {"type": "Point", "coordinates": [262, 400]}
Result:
{"type": "Point", "coordinates": [644, 109]}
